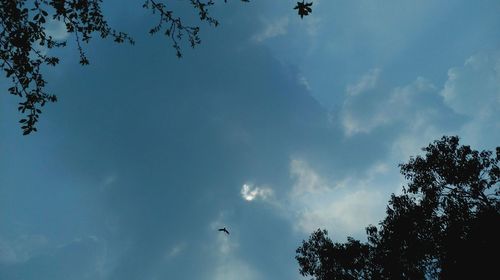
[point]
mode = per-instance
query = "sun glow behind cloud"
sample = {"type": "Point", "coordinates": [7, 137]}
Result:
{"type": "Point", "coordinates": [250, 193]}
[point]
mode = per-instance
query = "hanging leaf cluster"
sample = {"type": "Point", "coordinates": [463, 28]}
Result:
{"type": "Point", "coordinates": [303, 9]}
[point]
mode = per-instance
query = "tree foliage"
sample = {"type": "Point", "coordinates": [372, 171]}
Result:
{"type": "Point", "coordinates": [445, 224]}
{"type": "Point", "coordinates": [23, 34]}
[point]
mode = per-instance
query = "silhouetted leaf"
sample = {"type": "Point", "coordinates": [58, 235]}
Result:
{"type": "Point", "coordinates": [304, 9]}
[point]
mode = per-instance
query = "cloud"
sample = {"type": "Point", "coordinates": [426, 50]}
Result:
{"type": "Point", "coordinates": [21, 249]}
{"type": "Point", "coordinates": [234, 269]}
{"type": "Point", "coordinates": [474, 88]}
{"type": "Point", "coordinates": [249, 192]}
{"type": "Point", "coordinates": [56, 29]}
{"type": "Point", "coordinates": [306, 179]}
{"type": "Point", "coordinates": [346, 206]}
{"type": "Point", "coordinates": [370, 105]}
{"type": "Point", "coordinates": [305, 82]}
{"type": "Point", "coordinates": [313, 25]}
{"type": "Point", "coordinates": [228, 264]}
{"type": "Point", "coordinates": [413, 115]}
{"type": "Point", "coordinates": [224, 245]}
{"type": "Point", "coordinates": [175, 250]}
{"type": "Point", "coordinates": [366, 82]}
{"type": "Point", "coordinates": [272, 29]}
{"type": "Point", "coordinates": [346, 214]}
{"type": "Point", "coordinates": [79, 259]}
{"type": "Point", "coordinates": [356, 117]}
{"type": "Point", "coordinates": [468, 106]}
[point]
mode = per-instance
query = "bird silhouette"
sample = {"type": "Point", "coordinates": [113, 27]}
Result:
{"type": "Point", "coordinates": [224, 230]}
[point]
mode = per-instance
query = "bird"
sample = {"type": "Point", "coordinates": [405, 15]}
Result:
{"type": "Point", "coordinates": [224, 230]}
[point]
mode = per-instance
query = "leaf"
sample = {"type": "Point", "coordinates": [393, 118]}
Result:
{"type": "Point", "coordinates": [303, 8]}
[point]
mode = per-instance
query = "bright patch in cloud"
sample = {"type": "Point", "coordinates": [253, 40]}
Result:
{"type": "Point", "coordinates": [249, 192]}
{"type": "Point", "coordinates": [346, 206]}
{"type": "Point", "coordinates": [346, 214]}
{"type": "Point", "coordinates": [56, 29]}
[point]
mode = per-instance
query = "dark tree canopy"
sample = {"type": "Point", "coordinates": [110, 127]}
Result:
{"type": "Point", "coordinates": [445, 225]}
{"type": "Point", "coordinates": [23, 34]}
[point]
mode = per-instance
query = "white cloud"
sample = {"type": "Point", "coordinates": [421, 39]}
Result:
{"type": "Point", "coordinates": [367, 82]}
{"type": "Point", "coordinates": [306, 179]}
{"type": "Point", "coordinates": [356, 116]}
{"type": "Point", "coordinates": [354, 125]}
{"type": "Point", "coordinates": [249, 192]}
{"type": "Point", "coordinates": [416, 135]}
{"type": "Point", "coordinates": [346, 206]}
{"type": "Point", "coordinates": [369, 105]}
{"type": "Point", "coordinates": [272, 29]}
{"type": "Point", "coordinates": [231, 269]}
{"type": "Point", "coordinates": [56, 29]}
{"type": "Point", "coordinates": [473, 90]}
{"type": "Point", "coordinates": [346, 214]}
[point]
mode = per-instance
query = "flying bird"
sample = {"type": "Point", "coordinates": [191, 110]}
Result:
{"type": "Point", "coordinates": [224, 230]}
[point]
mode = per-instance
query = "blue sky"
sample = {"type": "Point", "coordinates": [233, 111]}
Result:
{"type": "Point", "coordinates": [273, 127]}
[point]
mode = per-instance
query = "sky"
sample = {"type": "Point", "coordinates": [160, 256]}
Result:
{"type": "Point", "coordinates": [273, 127]}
